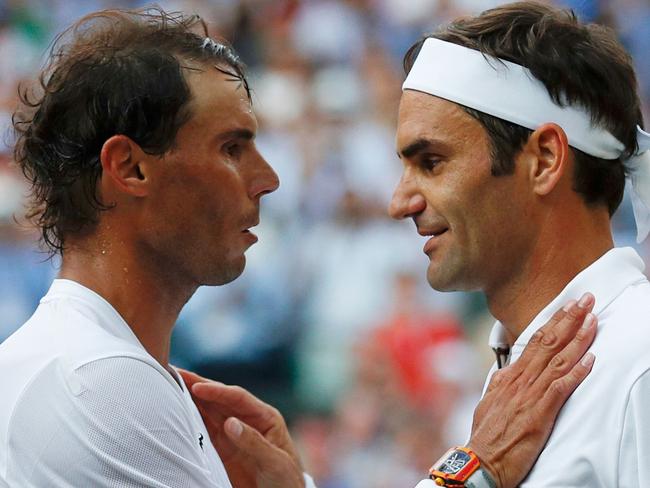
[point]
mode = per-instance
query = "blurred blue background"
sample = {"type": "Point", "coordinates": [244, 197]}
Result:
{"type": "Point", "coordinates": [332, 321]}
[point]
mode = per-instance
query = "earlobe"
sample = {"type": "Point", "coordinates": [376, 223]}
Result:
{"type": "Point", "coordinates": [121, 160]}
{"type": "Point", "coordinates": [549, 149]}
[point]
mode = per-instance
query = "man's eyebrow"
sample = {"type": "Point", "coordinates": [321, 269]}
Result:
{"type": "Point", "coordinates": [414, 148]}
{"type": "Point", "coordinates": [245, 134]}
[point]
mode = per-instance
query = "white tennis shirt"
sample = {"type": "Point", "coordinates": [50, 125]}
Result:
{"type": "Point", "coordinates": [83, 404]}
{"type": "Point", "coordinates": [602, 435]}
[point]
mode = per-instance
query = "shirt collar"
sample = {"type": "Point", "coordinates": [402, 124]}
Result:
{"type": "Point", "coordinates": [620, 266]}
{"type": "Point", "coordinates": [93, 305]}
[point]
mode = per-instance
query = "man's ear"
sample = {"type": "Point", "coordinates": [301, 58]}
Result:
{"type": "Point", "coordinates": [121, 160]}
{"type": "Point", "coordinates": [548, 155]}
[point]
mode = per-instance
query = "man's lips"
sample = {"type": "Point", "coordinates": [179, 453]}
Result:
{"type": "Point", "coordinates": [435, 235]}
{"type": "Point", "coordinates": [247, 231]}
{"type": "Point", "coordinates": [250, 236]}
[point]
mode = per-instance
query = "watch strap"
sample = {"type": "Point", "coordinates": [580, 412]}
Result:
{"type": "Point", "coordinates": [480, 479]}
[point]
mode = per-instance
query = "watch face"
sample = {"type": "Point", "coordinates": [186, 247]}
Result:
{"type": "Point", "coordinates": [454, 463]}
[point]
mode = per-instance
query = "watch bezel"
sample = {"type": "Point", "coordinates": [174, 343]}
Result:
{"type": "Point", "coordinates": [462, 475]}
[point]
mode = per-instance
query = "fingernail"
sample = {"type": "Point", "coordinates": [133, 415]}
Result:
{"type": "Point", "coordinates": [589, 321]}
{"type": "Point", "coordinates": [569, 305]}
{"type": "Point", "coordinates": [588, 359]}
{"type": "Point", "coordinates": [585, 301]}
{"type": "Point", "coordinates": [234, 427]}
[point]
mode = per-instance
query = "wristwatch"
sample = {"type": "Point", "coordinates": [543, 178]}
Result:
{"type": "Point", "coordinates": [461, 468]}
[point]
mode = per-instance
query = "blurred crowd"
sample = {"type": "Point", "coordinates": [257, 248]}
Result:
{"type": "Point", "coordinates": [332, 320]}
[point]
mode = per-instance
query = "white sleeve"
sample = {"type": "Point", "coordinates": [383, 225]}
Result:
{"type": "Point", "coordinates": [114, 422]}
{"type": "Point", "coordinates": [309, 481]}
{"type": "Point", "coordinates": [633, 465]}
{"type": "Point", "coordinates": [426, 484]}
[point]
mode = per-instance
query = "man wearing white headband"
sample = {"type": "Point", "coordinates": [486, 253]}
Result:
{"type": "Point", "coordinates": [517, 129]}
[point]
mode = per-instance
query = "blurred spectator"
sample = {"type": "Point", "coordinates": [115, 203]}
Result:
{"type": "Point", "coordinates": [25, 275]}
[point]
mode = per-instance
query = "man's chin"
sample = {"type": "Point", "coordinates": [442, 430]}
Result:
{"type": "Point", "coordinates": [442, 280]}
{"type": "Point", "coordinates": [225, 274]}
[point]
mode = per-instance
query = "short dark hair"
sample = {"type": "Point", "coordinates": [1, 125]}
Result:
{"type": "Point", "coordinates": [112, 72]}
{"type": "Point", "coordinates": [581, 64]}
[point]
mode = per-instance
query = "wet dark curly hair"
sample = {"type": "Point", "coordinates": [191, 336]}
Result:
{"type": "Point", "coordinates": [112, 72]}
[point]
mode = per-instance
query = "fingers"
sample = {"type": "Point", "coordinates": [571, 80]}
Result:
{"type": "Point", "coordinates": [236, 401]}
{"type": "Point", "coordinates": [234, 396]}
{"type": "Point", "coordinates": [559, 331]}
{"type": "Point", "coordinates": [214, 391]}
{"type": "Point", "coordinates": [569, 368]}
{"type": "Point", "coordinates": [275, 467]}
{"type": "Point", "coordinates": [568, 358]}
{"type": "Point", "coordinates": [218, 401]}
{"type": "Point", "coordinates": [190, 378]}
{"type": "Point", "coordinates": [250, 440]}
{"type": "Point", "coordinates": [562, 388]}
{"type": "Point", "coordinates": [553, 337]}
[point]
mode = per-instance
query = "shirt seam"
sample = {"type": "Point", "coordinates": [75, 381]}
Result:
{"type": "Point", "coordinates": [19, 398]}
{"type": "Point", "coordinates": [625, 409]}
{"type": "Point", "coordinates": [141, 358]}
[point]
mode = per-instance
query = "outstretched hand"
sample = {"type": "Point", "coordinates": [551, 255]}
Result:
{"type": "Point", "coordinates": [250, 436]}
{"type": "Point", "coordinates": [516, 415]}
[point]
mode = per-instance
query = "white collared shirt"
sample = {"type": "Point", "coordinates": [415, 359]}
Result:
{"type": "Point", "coordinates": [602, 436]}
{"type": "Point", "coordinates": [84, 405]}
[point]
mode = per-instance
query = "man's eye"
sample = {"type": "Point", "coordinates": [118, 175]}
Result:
{"type": "Point", "coordinates": [233, 149]}
{"type": "Point", "coordinates": [429, 163]}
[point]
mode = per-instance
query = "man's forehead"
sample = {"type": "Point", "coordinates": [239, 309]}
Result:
{"type": "Point", "coordinates": [418, 104]}
{"type": "Point", "coordinates": [216, 95]}
{"type": "Point", "coordinates": [219, 104]}
{"type": "Point", "coordinates": [423, 112]}
{"type": "Point", "coordinates": [209, 83]}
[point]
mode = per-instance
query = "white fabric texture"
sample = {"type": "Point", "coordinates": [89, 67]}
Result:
{"type": "Point", "coordinates": [309, 481]}
{"type": "Point", "coordinates": [426, 484]}
{"type": "Point", "coordinates": [639, 167]}
{"type": "Point", "coordinates": [85, 405]}
{"type": "Point", "coordinates": [601, 438]}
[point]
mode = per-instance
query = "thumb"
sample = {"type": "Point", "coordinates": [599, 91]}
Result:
{"type": "Point", "coordinates": [275, 468]}
{"type": "Point", "coordinates": [250, 441]}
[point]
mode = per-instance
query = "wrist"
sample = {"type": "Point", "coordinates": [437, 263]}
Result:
{"type": "Point", "coordinates": [487, 463]}
{"type": "Point", "coordinates": [461, 467]}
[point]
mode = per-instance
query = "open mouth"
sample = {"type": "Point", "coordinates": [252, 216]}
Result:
{"type": "Point", "coordinates": [248, 233]}
{"type": "Point", "coordinates": [434, 236]}
{"type": "Point", "coordinates": [434, 232]}
{"type": "Point", "coordinates": [438, 233]}
{"type": "Point", "coordinates": [249, 236]}
{"type": "Point", "coordinates": [251, 224]}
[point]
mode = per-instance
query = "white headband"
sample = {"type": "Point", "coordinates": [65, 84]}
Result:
{"type": "Point", "coordinates": [510, 92]}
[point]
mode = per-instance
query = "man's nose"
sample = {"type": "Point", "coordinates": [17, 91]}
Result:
{"type": "Point", "coordinates": [267, 180]}
{"type": "Point", "coordinates": [406, 201]}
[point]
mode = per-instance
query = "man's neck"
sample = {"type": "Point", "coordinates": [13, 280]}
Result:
{"type": "Point", "coordinates": [551, 266]}
{"type": "Point", "coordinates": [147, 299]}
